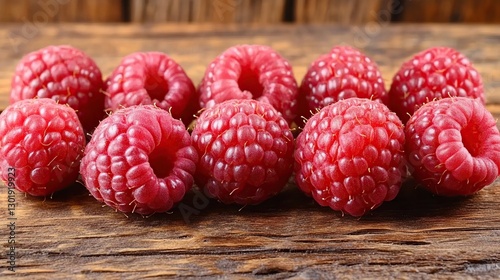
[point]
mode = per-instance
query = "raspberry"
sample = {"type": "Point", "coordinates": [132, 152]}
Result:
{"type": "Point", "coordinates": [349, 156]}
{"type": "Point", "coordinates": [246, 150]}
{"type": "Point", "coordinates": [66, 75]}
{"type": "Point", "coordinates": [43, 142]}
{"type": "Point", "coordinates": [435, 73]}
{"type": "Point", "coordinates": [453, 146]}
{"type": "Point", "coordinates": [139, 160]}
{"type": "Point", "coordinates": [251, 71]}
{"type": "Point", "coordinates": [147, 78]}
{"type": "Point", "coordinates": [343, 73]}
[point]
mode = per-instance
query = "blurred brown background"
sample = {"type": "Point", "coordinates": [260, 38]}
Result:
{"type": "Point", "coordinates": [250, 11]}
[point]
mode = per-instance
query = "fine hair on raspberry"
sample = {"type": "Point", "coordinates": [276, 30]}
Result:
{"type": "Point", "coordinates": [139, 160]}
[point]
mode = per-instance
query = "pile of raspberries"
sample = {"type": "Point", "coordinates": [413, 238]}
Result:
{"type": "Point", "coordinates": [347, 141]}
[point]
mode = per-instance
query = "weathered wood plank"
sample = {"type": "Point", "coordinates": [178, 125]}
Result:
{"type": "Point", "coordinates": [485, 11]}
{"type": "Point", "coordinates": [40, 12]}
{"type": "Point", "coordinates": [342, 11]}
{"type": "Point", "coordinates": [415, 236]}
{"type": "Point", "coordinates": [246, 11]}
{"type": "Point", "coordinates": [217, 11]}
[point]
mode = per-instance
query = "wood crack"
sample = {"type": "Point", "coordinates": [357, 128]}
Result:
{"type": "Point", "coordinates": [237, 252]}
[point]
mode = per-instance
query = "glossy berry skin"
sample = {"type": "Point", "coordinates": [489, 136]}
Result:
{"type": "Point", "coordinates": [453, 146]}
{"type": "Point", "coordinates": [43, 142]}
{"type": "Point", "coordinates": [64, 74]}
{"type": "Point", "coordinates": [246, 150]}
{"type": "Point", "coordinates": [342, 73]}
{"type": "Point", "coordinates": [435, 73]}
{"type": "Point", "coordinates": [349, 156]}
{"type": "Point", "coordinates": [139, 160]}
{"type": "Point", "coordinates": [250, 72]}
{"type": "Point", "coordinates": [147, 78]}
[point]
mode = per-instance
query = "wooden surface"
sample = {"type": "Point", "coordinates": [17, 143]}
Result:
{"type": "Point", "coordinates": [417, 235]}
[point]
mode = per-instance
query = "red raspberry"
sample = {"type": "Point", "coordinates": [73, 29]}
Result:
{"type": "Point", "coordinates": [147, 78]}
{"type": "Point", "coordinates": [66, 75]}
{"type": "Point", "coordinates": [453, 145]}
{"type": "Point", "coordinates": [349, 156]}
{"type": "Point", "coordinates": [43, 141]}
{"type": "Point", "coordinates": [140, 160]}
{"type": "Point", "coordinates": [251, 71]}
{"type": "Point", "coordinates": [343, 73]}
{"type": "Point", "coordinates": [435, 73]}
{"type": "Point", "coordinates": [247, 150]}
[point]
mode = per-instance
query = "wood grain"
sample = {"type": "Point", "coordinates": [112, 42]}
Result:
{"type": "Point", "coordinates": [39, 12]}
{"type": "Point", "coordinates": [485, 11]}
{"type": "Point", "coordinates": [250, 11]}
{"type": "Point", "coordinates": [216, 11]}
{"type": "Point", "coordinates": [70, 235]}
{"type": "Point", "coordinates": [341, 11]}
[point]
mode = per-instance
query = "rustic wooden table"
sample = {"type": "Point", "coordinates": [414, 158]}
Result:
{"type": "Point", "coordinates": [71, 235]}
